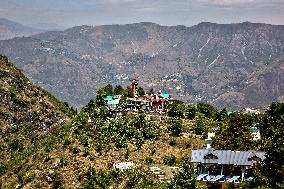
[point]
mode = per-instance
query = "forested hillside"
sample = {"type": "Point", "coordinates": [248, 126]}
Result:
{"type": "Point", "coordinates": [81, 153]}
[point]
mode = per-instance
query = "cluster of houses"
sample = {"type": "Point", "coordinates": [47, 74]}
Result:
{"type": "Point", "coordinates": [147, 103]}
{"type": "Point", "coordinates": [218, 167]}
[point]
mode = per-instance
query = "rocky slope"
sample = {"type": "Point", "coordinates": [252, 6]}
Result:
{"type": "Point", "coordinates": [27, 113]}
{"type": "Point", "coordinates": [10, 29]}
{"type": "Point", "coordinates": [228, 65]}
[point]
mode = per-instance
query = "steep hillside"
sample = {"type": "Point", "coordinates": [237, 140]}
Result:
{"type": "Point", "coordinates": [27, 113]}
{"type": "Point", "coordinates": [228, 65]}
{"type": "Point", "coordinates": [94, 141]}
{"type": "Point", "coordinates": [10, 29]}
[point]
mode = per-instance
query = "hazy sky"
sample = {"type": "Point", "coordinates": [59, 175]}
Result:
{"type": "Point", "coordinates": [69, 13]}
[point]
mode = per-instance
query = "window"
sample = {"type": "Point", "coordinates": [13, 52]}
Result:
{"type": "Point", "coordinates": [254, 158]}
{"type": "Point", "coordinates": [210, 156]}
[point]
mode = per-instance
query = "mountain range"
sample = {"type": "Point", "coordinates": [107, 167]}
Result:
{"type": "Point", "coordinates": [10, 29]}
{"type": "Point", "coordinates": [228, 65]}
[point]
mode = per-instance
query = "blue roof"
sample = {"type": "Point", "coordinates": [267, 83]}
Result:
{"type": "Point", "coordinates": [113, 102]}
{"type": "Point", "coordinates": [108, 98]}
{"type": "Point", "coordinates": [165, 95]}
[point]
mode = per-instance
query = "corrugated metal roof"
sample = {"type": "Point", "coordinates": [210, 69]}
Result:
{"type": "Point", "coordinates": [226, 157]}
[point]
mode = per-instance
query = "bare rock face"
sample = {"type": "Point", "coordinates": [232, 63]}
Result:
{"type": "Point", "coordinates": [232, 65]}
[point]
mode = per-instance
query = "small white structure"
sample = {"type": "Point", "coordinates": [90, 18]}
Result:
{"type": "Point", "coordinates": [156, 170]}
{"type": "Point", "coordinates": [250, 111]}
{"type": "Point", "coordinates": [123, 165]}
{"type": "Point", "coordinates": [255, 133]}
{"type": "Point", "coordinates": [209, 140]}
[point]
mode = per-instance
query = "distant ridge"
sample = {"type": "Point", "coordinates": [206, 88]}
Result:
{"type": "Point", "coordinates": [10, 29]}
{"type": "Point", "coordinates": [229, 65]}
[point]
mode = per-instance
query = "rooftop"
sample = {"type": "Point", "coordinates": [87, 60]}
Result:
{"type": "Point", "coordinates": [226, 157]}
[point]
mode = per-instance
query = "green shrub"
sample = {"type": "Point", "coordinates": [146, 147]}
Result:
{"type": "Point", "coordinates": [175, 126]}
{"type": "Point", "coordinates": [57, 181]}
{"type": "Point", "coordinates": [13, 92]}
{"type": "Point", "coordinates": [149, 160]}
{"type": "Point", "coordinates": [76, 150]}
{"type": "Point", "coordinates": [3, 169]}
{"type": "Point", "coordinates": [173, 141]}
{"type": "Point", "coordinates": [96, 179]}
{"type": "Point", "coordinates": [169, 160]}
{"type": "Point", "coordinates": [3, 112]}
{"type": "Point", "coordinates": [63, 161]}
{"type": "Point", "coordinates": [187, 142]}
{"type": "Point", "coordinates": [25, 178]}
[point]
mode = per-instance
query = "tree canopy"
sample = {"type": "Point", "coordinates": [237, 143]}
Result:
{"type": "Point", "coordinates": [234, 134]}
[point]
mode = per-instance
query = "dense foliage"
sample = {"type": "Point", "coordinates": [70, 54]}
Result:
{"type": "Point", "coordinates": [271, 173]}
{"type": "Point", "coordinates": [234, 134]}
{"type": "Point", "coordinates": [94, 129]}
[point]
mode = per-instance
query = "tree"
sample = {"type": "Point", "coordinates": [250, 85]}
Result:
{"type": "Point", "coordinates": [101, 94]}
{"type": "Point", "coordinates": [235, 134]}
{"type": "Point", "coordinates": [141, 91]}
{"type": "Point", "coordinates": [108, 90]}
{"type": "Point", "coordinates": [151, 91]}
{"type": "Point", "coordinates": [118, 90]}
{"type": "Point", "coordinates": [272, 140]}
{"type": "Point", "coordinates": [199, 126]}
{"type": "Point", "coordinates": [175, 126]}
{"type": "Point", "coordinates": [207, 109]}
{"type": "Point", "coordinates": [177, 109]}
{"type": "Point", "coordinates": [223, 115]}
{"type": "Point", "coordinates": [185, 177]}
{"type": "Point", "coordinates": [191, 111]}
{"type": "Point", "coordinates": [127, 92]}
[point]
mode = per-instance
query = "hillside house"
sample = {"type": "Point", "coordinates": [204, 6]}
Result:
{"type": "Point", "coordinates": [147, 103]}
{"type": "Point", "coordinates": [158, 101]}
{"type": "Point", "coordinates": [112, 101]}
{"type": "Point", "coordinates": [224, 165]}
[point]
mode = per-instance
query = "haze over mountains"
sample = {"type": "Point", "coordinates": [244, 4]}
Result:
{"type": "Point", "coordinates": [228, 65]}
{"type": "Point", "coordinates": [10, 29]}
